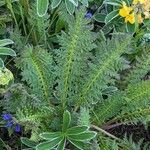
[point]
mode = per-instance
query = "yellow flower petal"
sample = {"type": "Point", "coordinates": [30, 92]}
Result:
{"type": "Point", "coordinates": [130, 18]}
{"type": "Point", "coordinates": [125, 10]}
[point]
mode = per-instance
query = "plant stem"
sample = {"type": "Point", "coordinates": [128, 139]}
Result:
{"type": "Point", "coordinates": [112, 126]}
{"type": "Point", "coordinates": [104, 132]}
{"type": "Point", "coordinates": [23, 20]}
{"type": "Point", "coordinates": [76, 108]}
{"type": "Point", "coordinates": [25, 4]}
{"type": "Point", "coordinates": [9, 6]}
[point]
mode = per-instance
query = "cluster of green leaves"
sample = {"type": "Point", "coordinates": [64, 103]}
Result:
{"type": "Point", "coordinates": [78, 71]}
{"type": "Point", "coordinates": [42, 6]}
{"type": "Point", "coordinates": [78, 136]}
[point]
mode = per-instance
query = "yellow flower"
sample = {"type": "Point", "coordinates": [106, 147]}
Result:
{"type": "Point", "coordinates": [125, 10]}
{"type": "Point", "coordinates": [140, 19]}
{"type": "Point", "coordinates": [130, 18]}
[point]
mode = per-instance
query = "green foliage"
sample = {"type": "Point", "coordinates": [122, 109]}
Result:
{"type": "Point", "coordinates": [142, 67]}
{"type": "Point", "coordinates": [130, 106]}
{"type": "Point", "coordinates": [28, 142]}
{"type": "Point", "coordinates": [126, 144]}
{"type": "Point", "coordinates": [71, 59]}
{"type": "Point", "coordinates": [108, 108]}
{"type": "Point", "coordinates": [106, 63]}
{"type": "Point", "coordinates": [18, 95]}
{"type": "Point", "coordinates": [84, 117]}
{"type": "Point", "coordinates": [137, 97]}
{"type": "Point", "coordinates": [38, 26]}
{"type": "Point", "coordinates": [33, 119]}
{"type": "Point", "coordinates": [42, 6]}
{"type": "Point", "coordinates": [5, 51]}
{"type": "Point", "coordinates": [36, 66]}
{"type": "Point", "coordinates": [75, 135]}
{"type": "Point", "coordinates": [20, 41]}
{"type": "Point", "coordinates": [64, 63]}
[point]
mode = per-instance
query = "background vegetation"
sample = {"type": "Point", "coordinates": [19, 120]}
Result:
{"type": "Point", "coordinates": [74, 74]}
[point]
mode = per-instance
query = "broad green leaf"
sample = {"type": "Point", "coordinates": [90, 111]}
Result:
{"type": "Point", "coordinates": [74, 2]}
{"type": "Point", "coordinates": [107, 28]}
{"type": "Point", "coordinates": [70, 7]}
{"type": "Point", "coordinates": [130, 27]}
{"type": "Point", "coordinates": [7, 51]}
{"type": "Point", "coordinates": [99, 17]}
{"type": "Point", "coordinates": [61, 145]}
{"type": "Point", "coordinates": [83, 136]}
{"type": "Point", "coordinates": [66, 120]}
{"type": "Point", "coordinates": [85, 2]}
{"type": "Point", "coordinates": [113, 2]}
{"type": "Point", "coordinates": [60, 24]}
{"type": "Point", "coordinates": [49, 144]}
{"type": "Point", "coordinates": [77, 130]}
{"type": "Point", "coordinates": [78, 144]}
{"type": "Point", "coordinates": [1, 63]}
{"type": "Point", "coordinates": [42, 7]}
{"type": "Point", "coordinates": [50, 136]}
{"type": "Point", "coordinates": [28, 142]}
{"type": "Point", "coordinates": [5, 42]}
{"type": "Point", "coordinates": [111, 16]}
{"type": "Point", "coordinates": [55, 3]}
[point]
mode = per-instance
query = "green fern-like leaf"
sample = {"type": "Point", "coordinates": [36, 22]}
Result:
{"type": "Point", "coordinates": [142, 67]}
{"type": "Point", "coordinates": [36, 66]}
{"type": "Point", "coordinates": [38, 26]}
{"type": "Point", "coordinates": [106, 63]}
{"type": "Point", "coordinates": [18, 95]}
{"type": "Point", "coordinates": [33, 119]}
{"type": "Point", "coordinates": [137, 102]}
{"type": "Point", "coordinates": [71, 58]}
{"type": "Point", "coordinates": [138, 95]}
{"type": "Point", "coordinates": [108, 109]}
